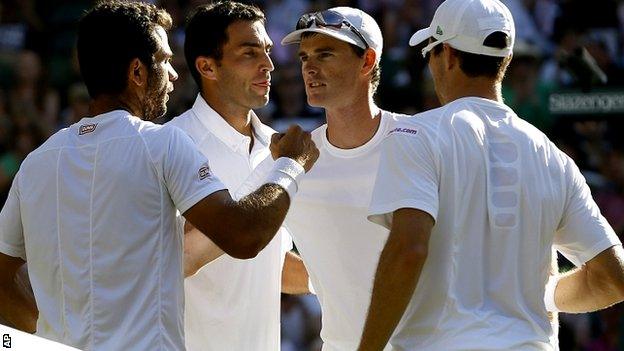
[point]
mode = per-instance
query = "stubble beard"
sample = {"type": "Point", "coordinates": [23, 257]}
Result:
{"type": "Point", "coordinates": [154, 105]}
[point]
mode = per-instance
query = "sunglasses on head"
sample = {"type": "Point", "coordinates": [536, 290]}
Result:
{"type": "Point", "coordinates": [330, 19]}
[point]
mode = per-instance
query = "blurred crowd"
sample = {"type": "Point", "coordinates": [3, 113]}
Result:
{"type": "Point", "coordinates": [551, 83]}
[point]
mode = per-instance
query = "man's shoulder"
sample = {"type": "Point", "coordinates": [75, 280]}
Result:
{"type": "Point", "coordinates": [56, 141]}
{"type": "Point", "coordinates": [182, 120]}
{"type": "Point", "coordinates": [188, 123]}
{"type": "Point", "coordinates": [318, 134]}
{"type": "Point", "coordinates": [393, 116]}
{"type": "Point", "coordinates": [413, 125]}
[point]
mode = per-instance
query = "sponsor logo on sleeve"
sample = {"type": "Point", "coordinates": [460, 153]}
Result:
{"type": "Point", "coordinates": [6, 341]}
{"type": "Point", "coordinates": [87, 128]}
{"type": "Point", "coordinates": [403, 131]}
{"type": "Point", "coordinates": [204, 172]}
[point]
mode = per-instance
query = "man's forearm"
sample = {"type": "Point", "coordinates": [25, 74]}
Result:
{"type": "Point", "coordinates": [294, 275]}
{"type": "Point", "coordinates": [241, 228]}
{"type": "Point", "coordinates": [199, 250]}
{"type": "Point", "coordinates": [596, 285]}
{"type": "Point", "coordinates": [395, 281]}
{"type": "Point", "coordinates": [261, 213]}
{"type": "Point", "coordinates": [17, 305]}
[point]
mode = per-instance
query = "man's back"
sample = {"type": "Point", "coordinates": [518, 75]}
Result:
{"type": "Point", "coordinates": [97, 202]}
{"type": "Point", "coordinates": [502, 194]}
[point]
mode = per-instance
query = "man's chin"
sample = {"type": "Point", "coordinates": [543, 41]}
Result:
{"type": "Point", "coordinates": [315, 102]}
{"type": "Point", "coordinates": [260, 102]}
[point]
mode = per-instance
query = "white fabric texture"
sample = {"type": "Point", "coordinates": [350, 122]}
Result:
{"type": "Point", "coordinates": [93, 210]}
{"type": "Point", "coordinates": [502, 195]}
{"type": "Point", "coordinates": [233, 304]}
{"type": "Point", "coordinates": [340, 248]}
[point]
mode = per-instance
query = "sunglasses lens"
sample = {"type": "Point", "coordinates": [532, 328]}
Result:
{"type": "Point", "coordinates": [331, 18]}
{"type": "Point", "coordinates": [327, 19]}
{"type": "Point", "coordinates": [304, 22]}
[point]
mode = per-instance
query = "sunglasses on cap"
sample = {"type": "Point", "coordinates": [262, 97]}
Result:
{"type": "Point", "coordinates": [330, 19]}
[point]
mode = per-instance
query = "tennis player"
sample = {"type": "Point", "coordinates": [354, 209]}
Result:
{"type": "Point", "coordinates": [93, 210]}
{"type": "Point", "coordinates": [477, 199]}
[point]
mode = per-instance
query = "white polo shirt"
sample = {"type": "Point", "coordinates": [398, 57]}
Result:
{"type": "Point", "coordinates": [502, 196]}
{"type": "Point", "coordinates": [339, 246]}
{"type": "Point", "coordinates": [92, 210]}
{"type": "Point", "coordinates": [233, 304]}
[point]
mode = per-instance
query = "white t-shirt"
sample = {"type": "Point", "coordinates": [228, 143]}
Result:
{"type": "Point", "coordinates": [502, 195]}
{"type": "Point", "coordinates": [93, 212]}
{"type": "Point", "coordinates": [340, 248]}
{"type": "Point", "coordinates": [233, 304]}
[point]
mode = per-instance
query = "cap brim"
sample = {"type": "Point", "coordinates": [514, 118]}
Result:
{"type": "Point", "coordinates": [420, 36]}
{"type": "Point", "coordinates": [295, 37]}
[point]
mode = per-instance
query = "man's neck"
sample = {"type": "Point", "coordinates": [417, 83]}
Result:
{"type": "Point", "coordinates": [478, 87]}
{"type": "Point", "coordinates": [106, 103]}
{"type": "Point", "coordinates": [237, 117]}
{"type": "Point", "coordinates": [354, 125]}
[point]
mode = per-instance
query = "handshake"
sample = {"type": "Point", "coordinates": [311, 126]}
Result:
{"type": "Point", "coordinates": [296, 144]}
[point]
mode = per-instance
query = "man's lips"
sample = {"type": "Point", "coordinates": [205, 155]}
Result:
{"type": "Point", "coordinates": [315, 84]}
{"type": "Point", "coordinates": [263, 83]}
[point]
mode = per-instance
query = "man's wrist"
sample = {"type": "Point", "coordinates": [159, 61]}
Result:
{"type": "Point", "coordinates": [286, 173]}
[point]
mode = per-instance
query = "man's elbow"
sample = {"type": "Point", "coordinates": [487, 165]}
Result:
{"type": "Point", "coordinates": [246, 246]}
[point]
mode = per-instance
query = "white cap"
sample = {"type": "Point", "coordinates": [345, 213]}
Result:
{"type": "Point", "coordinates": [360, 20]}
{"type": "Point", "coordinates": [464, 25]}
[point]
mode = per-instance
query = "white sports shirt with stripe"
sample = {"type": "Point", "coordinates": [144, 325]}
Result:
{"type": "Point", "coordinates": [503, 196]}
{"type": "Point", "coordinates": [93, 211]}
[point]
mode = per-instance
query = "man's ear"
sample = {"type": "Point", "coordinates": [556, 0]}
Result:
{"type": "Point", "coordinates": [370, 60]}
{"type": "Point", "coordinates": [137, 73]}
{"type": "Point", "coordinates": [450, 56]}
{"type": "Point", "coordinates": [207, 67]}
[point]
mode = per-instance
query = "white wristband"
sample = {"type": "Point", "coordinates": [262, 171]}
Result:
{"type": "Point", "coordinates": [549, 294]}
{"type": "Point", "coordinates": [285, 173]}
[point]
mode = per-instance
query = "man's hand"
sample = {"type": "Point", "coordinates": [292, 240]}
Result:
{"type": "Point", "coordinates": [17, 303]}
{"type": "Point", "coordinates": [296, 144]}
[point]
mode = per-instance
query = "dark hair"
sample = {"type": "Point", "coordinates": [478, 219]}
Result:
{"type": "Point", "coordinates": [475, 65]}
{"type": "Point", "coordinates": [110, 36]}
{"type": "Point", "coordinates": [206, 30]}
{"type": "Point", "coordinates": [359, 52]}
{"type": "Point", "coordinates": [376, 74]}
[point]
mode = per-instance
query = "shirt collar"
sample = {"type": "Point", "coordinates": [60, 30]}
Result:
{"type": "Point", "coordinates": [213, 122]}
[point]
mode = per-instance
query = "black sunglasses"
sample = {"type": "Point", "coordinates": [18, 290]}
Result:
{"type": "Point", "coordinates": [331, 19]}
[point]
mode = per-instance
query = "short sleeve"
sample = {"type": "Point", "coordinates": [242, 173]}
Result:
{"type": "Point", "coordinates": [583, 232]}
{"type": "Point", "coordinates": [407, 176]}
{"type": "Point", "coordinates": [187, 172]}
{"type": "Point", "coordinates": [11, 230]}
